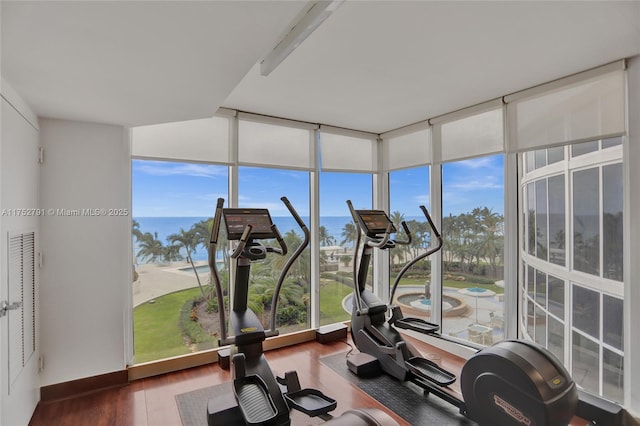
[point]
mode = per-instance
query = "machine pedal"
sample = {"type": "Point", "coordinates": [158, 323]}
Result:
{"type": "Point", "coordinates": [429, 370]}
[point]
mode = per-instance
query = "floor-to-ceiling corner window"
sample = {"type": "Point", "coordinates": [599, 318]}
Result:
{"type": "Point", "coordinates": [276, 160]}
{"type": "Point", "coordinates": [406, 157]}
{"type": "Point", "coordinates": [574, 260]}
{"type": "Point", "coordinates": [473, 252]}
{"type": "Point", "coordinates": [348, 161]}
{"type": "Point", "coordinates": [337, 237]}
{"type": "Point", "coordinates": [174, 304]}
{"type": "Point", "coordinates": [263, 188]}
{"type": "Point", "coordinates": [175, 307]}
{"type": "Point", "coordinates": [408, 190]}
{"type": "Point", "coordinates": [469, 147]}
{"type": "Point", "coordinates": [571, 205]}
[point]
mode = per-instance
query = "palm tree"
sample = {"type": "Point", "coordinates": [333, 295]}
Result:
{"type": "Point", "coordinates": [399, 251]}
{"type": "Point", "coordinates": [349, 233]}
{"type": "Point", "coordinates": [151, 248]}
{"type": "Point", "coordinates": [490, 242]}
{"type": "Point", "coordinates": [135, 229]}
{"type": "Point", "coordinates": [189, 241]}
{"type": "Point", "coordinates": [172, 253]}
{"type": "Point", "coordinates": [325, 238]}
{"type": "Point", "coordinates": [396, 219]}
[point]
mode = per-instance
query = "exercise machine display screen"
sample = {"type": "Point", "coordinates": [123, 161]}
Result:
{"type": "Point", "coordinates": [375, 222]}
{"type": "Point", "coordinates": [236, 220]}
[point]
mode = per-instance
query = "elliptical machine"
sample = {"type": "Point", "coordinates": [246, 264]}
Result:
{"type": "Point", "coordinates": [512, 382]}
{"type": "Point", "coordinates": [259, 397]}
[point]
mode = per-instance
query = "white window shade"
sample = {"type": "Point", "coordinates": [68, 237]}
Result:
{"type": "Point", "coordinates": [576, 111]}
{"type": "Point", "coordinates": [205, 140]}
{"type": "Point", "coordinates": [410, 147]}
{"type": "Point", "coordinates": [472, 136]}
{"type": "Point", "coordinates": [348, 152]}
{"type": "Point", "coordinates": [263, 144]}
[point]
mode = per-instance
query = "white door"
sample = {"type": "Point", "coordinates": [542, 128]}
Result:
{"type": "Point", "coordinates": [19, 224]}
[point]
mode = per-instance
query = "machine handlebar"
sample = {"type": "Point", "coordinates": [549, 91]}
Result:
{"type": "Point", "coordinates": [242, 243]}
{"type": "Point", "coordinates": [283, 246]}
{"type": "Point", "coordinates": [213, 247]}
{"type": "Point", "coordinates": [276, 292]}
{"type": "Point", "coordinates": [422, 256]}
{"type": "Point", "coordinates": [293, 212]}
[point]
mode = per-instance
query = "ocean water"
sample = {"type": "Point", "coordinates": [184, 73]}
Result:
{"type": "Point", "coordinates": [165, 226]}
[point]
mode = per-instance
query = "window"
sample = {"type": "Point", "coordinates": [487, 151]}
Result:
{"type": "Point", "coordinates": [174, 303]}
{"type": "Point", "coordinates": [348, 159]}
{"type": "Point", "coordinates": [408, 190]}
{"type": "Point", "coordinates": [262, 188]}
{"type": "Point", "coordinates": [338, 234]}
{"type": "Point", "coordinates": [473, 252]}
{"type": "Point", "coordinates": [577, 291]}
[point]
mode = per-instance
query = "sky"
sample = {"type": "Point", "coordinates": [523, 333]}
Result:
{"type": "Point", "coordinates": [188, 189]}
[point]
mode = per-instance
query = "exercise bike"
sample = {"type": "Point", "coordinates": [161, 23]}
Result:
{"type": "Point", "coordinates": [512, 382]}
{"type": "Point", "coordinates": [259, 397]}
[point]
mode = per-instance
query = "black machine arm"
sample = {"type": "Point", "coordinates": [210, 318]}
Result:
{"type": "Point", "coordinates": [420, 257]}
{"type": "Point", "coordinates": [213, 247]}
{"type": "Point", "coordinates": [244, 239]}
{"type": "Point", "coordinates": [406, 231]}
{"type": "Point", "coordinates": [356, 293]}
{"type": "Point", "coordinates": [283, 246]}
{"type": "Point", "coordinates": [276, 293]}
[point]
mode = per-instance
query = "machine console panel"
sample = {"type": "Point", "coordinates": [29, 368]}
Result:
{"type": "Point", "coordinates": [374, 222]}
{"type": "Point", "coordinates": [236, 220]}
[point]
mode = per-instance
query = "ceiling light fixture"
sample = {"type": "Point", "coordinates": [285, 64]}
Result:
{"type": "Point", "coordinates": [301, 29]}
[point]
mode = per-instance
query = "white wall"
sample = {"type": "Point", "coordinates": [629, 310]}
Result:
{"type": "Point", "coordinates": [86, 275]}
{"type": "Point", "coordinates": [19, 186]}
{"type": "Point", "coordinates": [632, 241]}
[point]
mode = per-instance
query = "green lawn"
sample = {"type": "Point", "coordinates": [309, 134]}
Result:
{"type": "Point", "coordinates": [156, 327]}
{"type": "Point", "coordinates": [331, 295]}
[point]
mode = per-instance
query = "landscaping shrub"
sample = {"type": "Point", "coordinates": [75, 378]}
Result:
{"type": "Point", "coordinates": [190, 327]}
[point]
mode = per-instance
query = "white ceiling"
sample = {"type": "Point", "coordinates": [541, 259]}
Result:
{"type": "Point", "coordinates": [135, 62]}
{"type": "Point", "coordinates": [372, 65]}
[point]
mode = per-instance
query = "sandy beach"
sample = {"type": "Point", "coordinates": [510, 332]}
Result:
{"type": "Point", "coordinates": [155, 280]}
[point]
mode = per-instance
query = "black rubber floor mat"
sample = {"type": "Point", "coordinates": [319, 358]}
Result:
{"type": "Point", "coordinates": [404, 399]}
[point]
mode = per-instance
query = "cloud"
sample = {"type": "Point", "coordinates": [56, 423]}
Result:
{"type": "Point", "coordinates": [478, 163]}
{"type": "Point", "coordinates": [422, 199]}
{"type": "Point", "coordinates": [182, 169]}
{"type": "Point", "coordinates": [474, 185]}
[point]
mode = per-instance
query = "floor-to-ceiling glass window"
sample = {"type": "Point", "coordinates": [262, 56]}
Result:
{"type": "Point", "coordinates": [174, 304]}
{"type": "Point", "coordinates": [473, 252]}
{"type": "Point", "coordinates": [348, 160]}
{"type": "Point", "coordinates": [469, 146]}
{"type": "Point", "coordinates": [408, 190]}
{"type": "Point", "coordinates": [262, 188]}
{"type": "Point", "coordinates": [338, 235]}
{"type": "Point", "coordinates": [571, 206]}
{"type": "Point", "coordinates": [574, 268]}
{"type": "Point", "coordinates": [275, 157]}
{"type": "Point", "coordinates": [175, 307]}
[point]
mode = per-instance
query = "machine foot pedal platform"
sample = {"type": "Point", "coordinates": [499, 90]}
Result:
{"type": "Point", "coordinates": [312, 402]}
{"type": "Point", "coordinates": [254, 400]}
{"type": "Point", "coordinates": [429, 370]}
{"type": "Point", "coordinates": [416, 324]}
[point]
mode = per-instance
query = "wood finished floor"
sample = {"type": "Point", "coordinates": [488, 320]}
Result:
{"type": "Point", "coordinates": [151, 401]}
